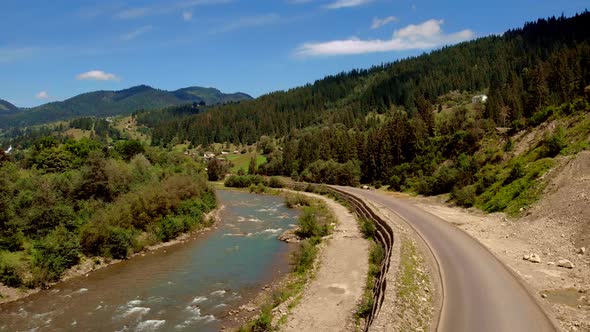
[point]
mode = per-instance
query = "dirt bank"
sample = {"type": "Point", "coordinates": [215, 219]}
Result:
{"type": "Point", "coordinates": [555, 228]}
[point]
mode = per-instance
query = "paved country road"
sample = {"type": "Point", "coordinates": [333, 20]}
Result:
{"type": "Point", "coordinates": [479, 292]}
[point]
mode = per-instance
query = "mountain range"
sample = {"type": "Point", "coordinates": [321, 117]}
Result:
{"type": "Point", "coordinates": [109, 103]}
{"type": "Point", "coordinates": [7, 108]}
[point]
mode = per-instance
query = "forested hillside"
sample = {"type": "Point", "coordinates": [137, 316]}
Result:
{"type": "Point", "coordinates": [6, 107]}
{"type": "Point", "coordinates": [543, 63]}
{"type": "Point", "coordinates": [412, 124]}
{"type": "Point", "coordinates": [109, 103]}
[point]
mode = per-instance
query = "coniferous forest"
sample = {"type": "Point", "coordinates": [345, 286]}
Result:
{"type": "Point", "coordinates": [411, 123]}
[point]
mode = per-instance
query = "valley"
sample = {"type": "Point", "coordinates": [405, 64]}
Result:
{"type": "Point", "coordinates": [446, 191]}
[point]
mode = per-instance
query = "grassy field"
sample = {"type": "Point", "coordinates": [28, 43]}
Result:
{"type": "Point", "coordinates": [127, 125]}
{"type": "Point", "coordinates": [241, 161]}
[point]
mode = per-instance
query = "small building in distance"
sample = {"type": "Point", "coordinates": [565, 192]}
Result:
{"type": "Point", "coordinates": [209, 155]}
{"type": "Point", "coordinates": [479, 99]}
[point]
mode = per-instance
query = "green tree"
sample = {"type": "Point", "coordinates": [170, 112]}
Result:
{"type": "Point", "coordinates": [252, 167]}
{"type": "Point", "coordinates": [216, 169]}
{"type": "Point", "coordinates": [53, 254]}
{"type": "Point", "coordinates": [130, 148]}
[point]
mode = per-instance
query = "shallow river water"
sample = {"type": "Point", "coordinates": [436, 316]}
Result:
{"type": "Point", "coordinates": [185, 287]}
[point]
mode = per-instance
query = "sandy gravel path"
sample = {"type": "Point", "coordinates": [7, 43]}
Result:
{"type": "Point", "coordinates": [329, 301]}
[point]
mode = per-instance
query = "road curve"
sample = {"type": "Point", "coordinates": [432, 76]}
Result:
{"type": "Point", "coordinates": [479, 292]}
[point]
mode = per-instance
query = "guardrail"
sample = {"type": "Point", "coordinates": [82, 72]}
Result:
{"type": "Point", "coordinates": [383, 236]}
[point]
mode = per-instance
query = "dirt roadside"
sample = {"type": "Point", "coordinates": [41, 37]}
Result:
{"type": "Point", "coordinates": [555, 228]}
{"type": "Point", "coordinates": [329, 301]}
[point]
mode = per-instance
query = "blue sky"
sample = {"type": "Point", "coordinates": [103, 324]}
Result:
{"type": "Point", "coordinates": [53, 50]}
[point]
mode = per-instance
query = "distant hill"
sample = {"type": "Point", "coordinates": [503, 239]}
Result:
{"type": "Point", "coordinates": [7, 108]}
{"type": "Point", "coordinates": [209, 95]}
{"type": "Point", "coordinates": [109, 103]}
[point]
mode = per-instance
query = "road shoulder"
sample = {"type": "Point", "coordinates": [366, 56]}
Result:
{"type": "Point", "coordinates": [413, 295]}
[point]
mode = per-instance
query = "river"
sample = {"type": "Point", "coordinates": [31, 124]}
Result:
{"type": "Point", "coordinates": [185, 287]}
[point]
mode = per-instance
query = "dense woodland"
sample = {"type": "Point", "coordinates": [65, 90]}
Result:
{"type": "Point", "coordinates": [67, 198]}
{"type": "Point", "coordinates": [411, 124]}
{"type": "Point", "coordinates": [544, 63]}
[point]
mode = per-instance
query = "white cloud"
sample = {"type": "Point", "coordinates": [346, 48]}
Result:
{"type": "Point", "coordinates": [187, 15]}
{"type": "Point", "coordinates": [347, 3]}
{"type": "Point", "coordinates": [42, 95]}
{"type": "Point", "coordinates": [426, 35]}
{"type": "Point", "coordinates": [249, 22]}
{"type": "Point", "coordinates": [97, 75]}
{"type": "Point", "coordinates": [426, 29]}
{"type": "Point", "coordinates": [136, 33]}
{"type": "Point", "coordinates": [379, 22]}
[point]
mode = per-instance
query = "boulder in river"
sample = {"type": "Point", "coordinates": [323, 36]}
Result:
{"type": "Point", "coordinates": [290, 236]}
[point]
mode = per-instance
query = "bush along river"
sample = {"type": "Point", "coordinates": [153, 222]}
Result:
{"type": "Point", "coordinates": [185, 287]}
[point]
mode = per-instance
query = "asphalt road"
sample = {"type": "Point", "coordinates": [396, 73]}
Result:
{"type": "Point", "coordinates": [479, 292]}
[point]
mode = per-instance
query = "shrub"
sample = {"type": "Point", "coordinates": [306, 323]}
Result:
{"type": "Point", "coordinates": [486, 179]}
{"type": "Point", "coordinates": [332, 172]}
{"type": "Point", "coordinates": [9, 275]}
{"type": "Point", "coordinates": [516, 172]}
{"type": "Point", "coordinates": [294, 200]}
{"type": "Point", "coordinates": [105, 240]}
{"type": "Point", "coordinates": [376, 256]}
{"type": "Point", "coordinates": [424, 185]}
{"type": "Point", "coordinates": [118, 243]}
{"type": "Point", "coordinates": [310, 224]}
{"type": "Point", "coordinates": [257, 188]}
{"type": "Point", "coordinates": [216, 169]}
{"type": "Point", "coordinates": [540, 116]}
{"type": "Point", "coordinates": [304, 257]}
{"type": "Point", "coordinates": [368, 228]}
{"type": "Point", "coordinates": [11, 240]}
{"type": "Point", "coordinates": [128, 149]}
{"type": "Point", "coordinates": [465, 196]}
{"type": "Point", "coordinates": [55, 253]}
{"type": "Point", "coordinates": [243, 181]}
{"type": "Point", "coordinates": [509, 146]}
{"type": "Point", "coordinates": [553, 145]}
{"type": "Point", "coordinates": [263, 323]}
{"type": "Point", "coordinates": [275, 182]}
{"type": "Point", "coordinates": [395, 183]}
{"type": "Point", "coordinates": [171, 226]}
